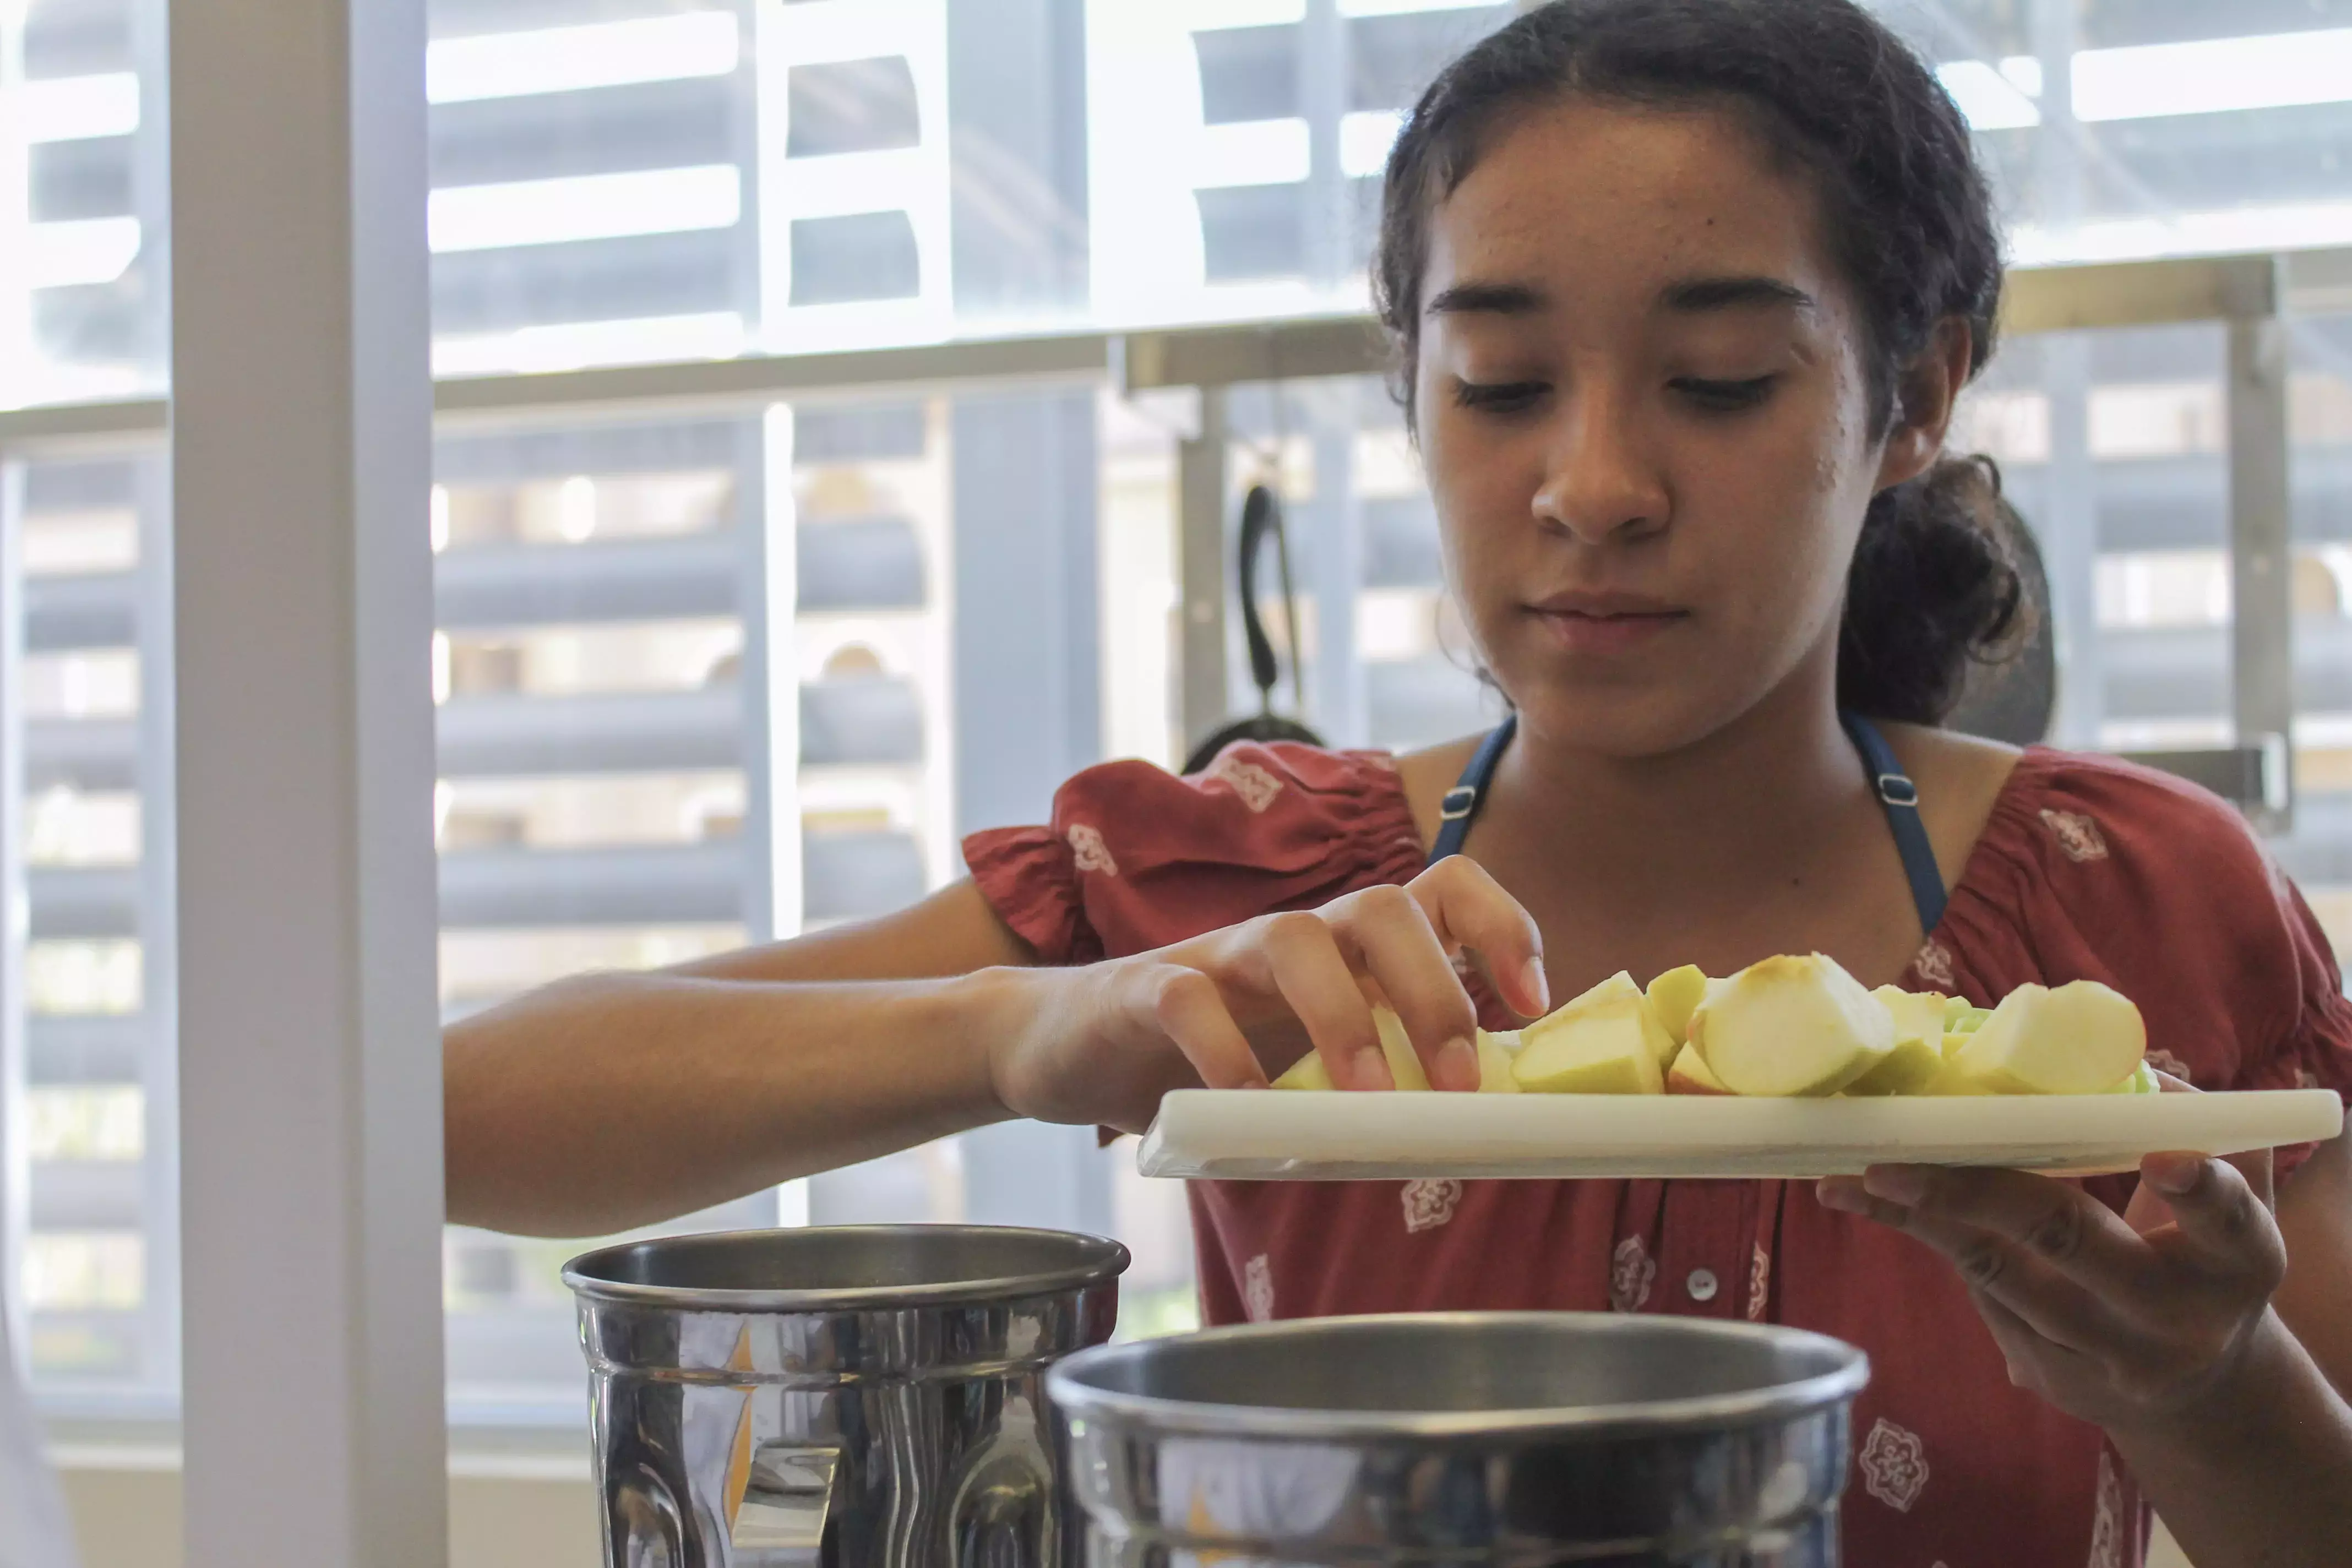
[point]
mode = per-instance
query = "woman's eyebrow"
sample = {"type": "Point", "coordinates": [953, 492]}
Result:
{"type": "Point", "coordinates": [1697, 294]}
{"type": "Point", "coordinates": [1500, 299]}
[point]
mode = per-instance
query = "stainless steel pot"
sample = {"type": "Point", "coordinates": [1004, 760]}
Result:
{"type": "Point", "coordinates": [1518, 1440]}
{"type": "Point", "coordinates": [854, 1397]}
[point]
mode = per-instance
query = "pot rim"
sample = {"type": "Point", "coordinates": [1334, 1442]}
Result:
{"type": "Point", "coordinates": [1095, 1260]}
{"type": "Point", "coordinates": [1066, 1386]}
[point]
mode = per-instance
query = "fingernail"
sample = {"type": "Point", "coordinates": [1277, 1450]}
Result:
{"type": "Point", "coordinates": [1371, 1070]}
{"type": "Point", "coordinates": [1902, 1185]}
{"type": "Point", "coordinates": [1457, 1064]}
{"type": "Point", "coordinates": [1531, 980]}
{"type": "Point", "coordinates": [1840, 1193]}
{"type": "Point", "coordinates": [2174, 1173]}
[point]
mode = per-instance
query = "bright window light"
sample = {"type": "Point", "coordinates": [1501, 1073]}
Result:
{"type": "Point", "coordinates": [2290, 226]}
{"type": "Point", "coordinates": [1252, 152]}
{"type": "Point", "coordinates": [1365, 137]}
{"type": "Point", "coordinates": [587, 206]}
{"type": "Point", "coordinates": [85, 250]}
{"type": "Point", "coordinates": [574, 345]}
{"type": "Point", "coordinates": [1395, 8]}
{"type": "Point", "coordinates": [78, 107]}
{"type": "Point", "coordinates": [1205, 16]}
{"type": "Point", "coordinates": [1989, 98]}
{"type": "Point", "coordinates": [2214, 74]}
{"type": "Point", "coordinates": [569, 59]}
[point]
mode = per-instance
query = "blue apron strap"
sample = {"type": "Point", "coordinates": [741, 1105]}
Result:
{"type": "Point", "coordinates": [1469, 792]}
{"type": "Point", "coordinates": [1900, 798]}
{"type": "Point", "coordinates": [1896, 793]}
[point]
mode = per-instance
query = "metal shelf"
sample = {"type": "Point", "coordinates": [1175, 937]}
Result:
{"type": "Point", "coordinates": [668, 884]}
{"type": "Point", "coordinates": [87, 1194]}
{"type": "Point", "coordinates": [86, 1048]}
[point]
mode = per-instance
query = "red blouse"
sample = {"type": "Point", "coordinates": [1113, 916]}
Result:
{"type": "Point", "coordinates": [2089, 868]}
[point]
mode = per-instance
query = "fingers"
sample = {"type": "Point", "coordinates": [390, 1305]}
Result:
{"type": "Point", "coordinates": [1469, 908]}
{"type": "Point", "coordinates": [1303, 962]}
{"type": "Point", "coordinates": [2035, 1361]}
{"type": "Point", "coordinates": [1187, 1007]}
{"type": "Point", "coordinates": [2222, 1210]}
{"type": "Point", "coordinates": [1408, 963]}
{"type": "Point", "coordinates": [2043, 1251]}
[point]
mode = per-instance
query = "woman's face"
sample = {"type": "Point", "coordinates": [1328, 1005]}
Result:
{"type": "Point", "coordinates": [1644, 412]}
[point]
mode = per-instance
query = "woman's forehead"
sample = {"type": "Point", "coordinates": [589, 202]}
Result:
{"type": "Point", "coordinates": [1610, 202]}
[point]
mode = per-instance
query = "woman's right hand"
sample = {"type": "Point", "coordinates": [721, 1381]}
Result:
{"type": "Point", "coordinates": [1102, 1043]}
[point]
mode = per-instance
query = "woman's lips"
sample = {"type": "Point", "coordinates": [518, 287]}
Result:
{"type": "Point", "coordinates": [1604, 623]}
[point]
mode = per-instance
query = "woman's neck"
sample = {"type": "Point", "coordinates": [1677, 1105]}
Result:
{"type": "Point", "coordinates": [1749, 806]}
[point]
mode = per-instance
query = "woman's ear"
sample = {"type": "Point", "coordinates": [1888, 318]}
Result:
{"type": "Point", "coordinates": [1929, 386]}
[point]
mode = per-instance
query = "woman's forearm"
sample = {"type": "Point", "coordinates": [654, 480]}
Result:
{"type": "Point", "coordinates": [613, 1100]}
{"type": "Point", "coordinates": [2259, 1474]}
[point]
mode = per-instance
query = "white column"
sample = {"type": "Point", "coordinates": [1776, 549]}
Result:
{"type": "Point", "coordinates": [309, 1084]}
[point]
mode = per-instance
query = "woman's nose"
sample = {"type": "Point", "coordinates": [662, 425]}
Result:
{"type": "Point", "coordinates": [1599, 482]}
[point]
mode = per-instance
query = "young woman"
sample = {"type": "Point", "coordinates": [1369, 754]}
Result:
{"type": "Point", "coordinates": [1682, 292]}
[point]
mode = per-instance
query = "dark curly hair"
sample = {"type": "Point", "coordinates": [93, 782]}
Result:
{"type": "Point", "coordinates": [1934, 584]}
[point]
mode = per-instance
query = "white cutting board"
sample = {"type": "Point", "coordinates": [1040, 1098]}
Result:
{"type": "Point", "coordinates": [1279, 1135]}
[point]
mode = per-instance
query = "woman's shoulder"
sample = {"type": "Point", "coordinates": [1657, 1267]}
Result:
{"type": "Point", "coordinates": [1134, 856]}
{"type": "Point", "coordinates": [2095, 868]}
{"type": "Point", "coordinates": [2084, 807]}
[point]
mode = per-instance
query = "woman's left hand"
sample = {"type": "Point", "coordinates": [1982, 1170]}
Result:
{"type": "Point", "coordinates": [2121, 1321]}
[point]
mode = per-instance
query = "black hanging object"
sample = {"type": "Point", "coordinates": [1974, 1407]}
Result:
{"type": "Point", "coordinates": [1261, 518]}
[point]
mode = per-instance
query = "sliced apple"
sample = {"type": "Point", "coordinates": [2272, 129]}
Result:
{"type": "Point", "coordinates": [1918, 1053]}
{"type": "Point", "coordinates": [1791, 1026]}
{"type": "Point", "coordinates": [1918, 1015]}
{"type": "Point", "coordinates": [1604, 1050]}
{"type": "Point", "coordinates": [1951, 1079]}
{"type": "Point", "coordinates": [1308, 1072]}
{"type": "Point", "coordinates": [1495, 1060]}
{"type": "Point", "coordinates": [1908, 1068]}
{"type": "Point", "coordinates": [1691, 1074]}
{"type": "Point", "coordinates": [2080, 1038]}
{"type": "Point", "coordinates": [2143, 1080]}
{"type": "Point", "coordinates": [1613, 996]}
{"type": "Point", "coordinates": [1966, 1020]}
{"type": "Point", "coordinates": [1397, 1045]}
{"type": "Point", "coordinates": [1675, 995]}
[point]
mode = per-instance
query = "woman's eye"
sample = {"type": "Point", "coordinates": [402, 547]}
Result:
{"type": "Point", "coordinates": [1726, 397]}
{"type": "Point", "coordinates": [1499, 396]}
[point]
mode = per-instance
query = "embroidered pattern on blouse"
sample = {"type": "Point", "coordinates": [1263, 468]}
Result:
{"type": "Point", "coordinates": [1631, 1272]}
{"type": "Point", "coordinates": [1894, 1464]}
{"type": "Point", "coordinates": [2165, 1061]}
{"type": "Point", "coordinates": [1258, 1290]}
{"type": "Point", "coordinates": [1759, 1281]}
{"type": "Point", "coordinates": [2077, 834]}
{"type": "Point", "coordinates": [2107, 1531]}
{"type": "Point", "coordinates": [1256, 786]}
{"type": "Point", "coordinates": [1934, 963]}
{"type": "Point", "coordinates": [1430, 1202]}
{"type": "Point", "coordinates": [1092, 853]}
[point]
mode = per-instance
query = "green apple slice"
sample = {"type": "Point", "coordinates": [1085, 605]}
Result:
{"type": "Point", "coordinates": [1791, 1026]}
{"type": "Point", "coordinates": [1617, 996]}
{"type": "Point", "coordinates": [2080, 1038]}
{"type": "Point", "coordinates": [1674, 997]}
{"type": "Point", "coordinates": [1494, 1061]}
{"type": "Point", "coordinates": [1691, 1074]}
{"type": "Point", "coordinates": [1308, 1073]}
{"type": "Point", "coordinates": [1603, 1050]}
